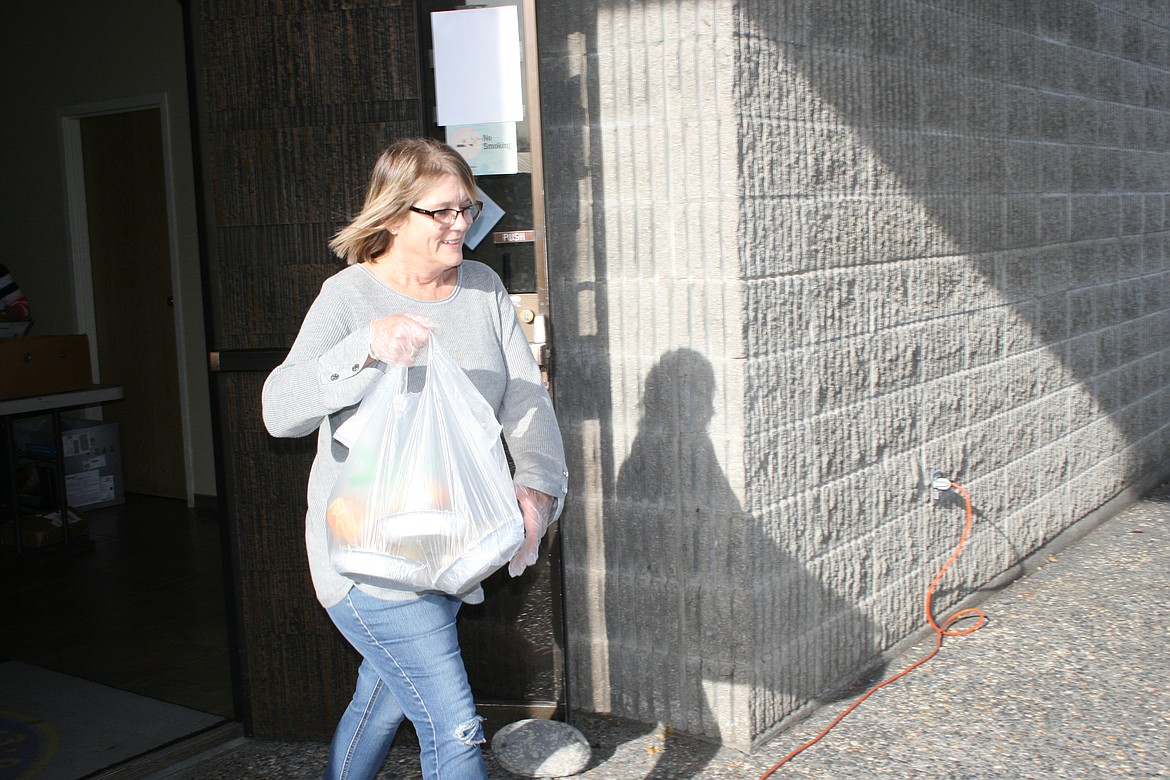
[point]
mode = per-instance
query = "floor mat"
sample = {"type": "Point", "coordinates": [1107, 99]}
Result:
{"type": "Point", "coordinates": [57, 727]}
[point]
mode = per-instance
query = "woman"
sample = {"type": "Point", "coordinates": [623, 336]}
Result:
{"type": "Point", "coordinates": [406, 279]}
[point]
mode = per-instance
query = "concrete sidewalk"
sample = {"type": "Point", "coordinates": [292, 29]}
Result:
{"type": "Point", "coordinates": [1069, 679]}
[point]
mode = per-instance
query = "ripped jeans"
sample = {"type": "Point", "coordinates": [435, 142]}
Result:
{"type": "Point", "coordinates": [411, 667]}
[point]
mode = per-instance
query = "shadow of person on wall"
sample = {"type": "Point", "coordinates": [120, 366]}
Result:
{"type": "Point", "coordinates": [705, 609]}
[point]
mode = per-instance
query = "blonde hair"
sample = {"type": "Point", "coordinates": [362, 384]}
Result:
{"type": "Point", "coordinates": [405, 171]}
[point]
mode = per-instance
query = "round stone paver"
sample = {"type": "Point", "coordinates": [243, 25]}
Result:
{"type": "Point", "coordinates": [541, 748]}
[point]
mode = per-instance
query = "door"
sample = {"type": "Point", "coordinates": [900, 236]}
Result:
{"type": "Point", "coordinates": [129, 240]}
{"type": "Point", "coordinates": [286, 153]}
{"type": "Point", "coordinates": [512, 643]}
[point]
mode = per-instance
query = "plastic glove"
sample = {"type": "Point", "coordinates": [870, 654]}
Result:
{"type": "Point", "coordinates": [399, 337]}
{"type": "Point", "coordinates": [537, 510]}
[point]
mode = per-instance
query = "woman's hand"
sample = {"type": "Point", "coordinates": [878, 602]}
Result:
{"type": "Point", "coordinates": [537, 509]}
{"type": "Point", "coordinates": [398, 338]}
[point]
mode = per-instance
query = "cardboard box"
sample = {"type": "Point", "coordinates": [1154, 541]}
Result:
{"type": "Point", "coordinates": [92, 458]}
{"type": "Point", "coordinates": [43, 530]}
{"type": "Point", "coordinates": [39, 365]}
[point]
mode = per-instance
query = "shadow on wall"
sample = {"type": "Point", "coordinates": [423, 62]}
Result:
{"type": "Point", "coordinates": [682, 627]}
{"type": "Point", "coordinates": [686, 608]}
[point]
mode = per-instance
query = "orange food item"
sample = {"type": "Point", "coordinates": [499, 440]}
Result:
{"type": "Point", "coordinates": [440, 498]}
{"type": "Point", "coordinates": [345, 519]}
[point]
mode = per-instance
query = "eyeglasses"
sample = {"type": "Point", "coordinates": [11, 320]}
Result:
{"type": "Point", "coordinates": [447, 217]}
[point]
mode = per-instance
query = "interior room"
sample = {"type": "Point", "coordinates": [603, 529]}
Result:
{"type": "Point", "coordinates": [128, 618]}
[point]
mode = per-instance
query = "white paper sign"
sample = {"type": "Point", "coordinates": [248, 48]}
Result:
{"type": "Point", "coordinates": [477, 66]}
{"type": "Point", "coordinates": [488, 148]}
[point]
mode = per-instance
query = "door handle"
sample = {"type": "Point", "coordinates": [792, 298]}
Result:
{"type": "Point", "coordinates": [245, 359]}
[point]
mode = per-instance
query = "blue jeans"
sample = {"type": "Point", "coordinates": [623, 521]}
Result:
{"type": "Point", "coordinates": [411, 668]}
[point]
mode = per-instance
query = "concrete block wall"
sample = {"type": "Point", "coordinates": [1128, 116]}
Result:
{"type": "Point", "coordinates": [802, 254]}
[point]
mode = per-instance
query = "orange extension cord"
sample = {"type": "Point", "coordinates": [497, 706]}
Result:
{"type": "Point", "coordinates": [941, 631]}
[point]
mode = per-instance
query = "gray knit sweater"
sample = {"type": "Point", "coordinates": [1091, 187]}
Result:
{"type": "Point", "coordinates": [321, 381]}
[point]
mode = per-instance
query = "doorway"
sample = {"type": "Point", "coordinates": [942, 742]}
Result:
{"type": "Point", "coordinates": [139, 608]}
{"type": "Point", "coordinates": [123, 245]}
{"type": "Point", "coordinates": [125, 194]}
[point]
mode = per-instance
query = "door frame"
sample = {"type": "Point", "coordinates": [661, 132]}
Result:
{"type": "Point", "coordinates": [539, 330]}
{"type": "Point", "coordinates": [69, 126]}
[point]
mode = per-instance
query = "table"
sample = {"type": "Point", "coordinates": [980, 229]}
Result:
{"type": "Point", "coordinates": [51, 404]}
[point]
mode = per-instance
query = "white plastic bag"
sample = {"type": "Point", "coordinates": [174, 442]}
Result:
{"type": "Point", "coordinates": [424, 501]}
